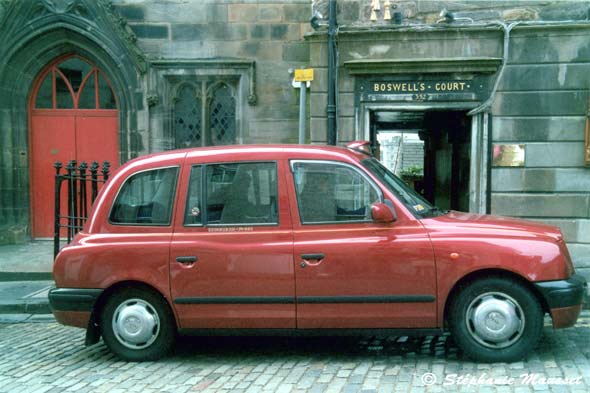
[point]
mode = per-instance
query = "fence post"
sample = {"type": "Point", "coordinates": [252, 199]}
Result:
{"type": "Point", "coordinates": [106, 166]}
{"type": "Point", "coordinates": [83, 202]}
{"type": "Point", "coordinates": [56, 211]}
{"type": "Point", "coordinates": [71, 197]}
{"type": "Point", "coordinates": [93, 180]}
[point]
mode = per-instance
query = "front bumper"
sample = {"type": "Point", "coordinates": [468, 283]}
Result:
{"type": "Point", "coordinates": [564, 298]}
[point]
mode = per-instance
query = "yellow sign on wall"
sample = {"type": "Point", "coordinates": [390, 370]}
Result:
{"type": "Point", "coordinates": [304, 75]}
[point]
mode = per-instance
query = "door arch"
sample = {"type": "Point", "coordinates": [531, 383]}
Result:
{"type": "Point", "coordinates": [73, 113]}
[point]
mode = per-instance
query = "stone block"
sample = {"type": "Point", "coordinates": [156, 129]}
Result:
{"type": "Point", "coordinates": [318, 54]}
{"type": "Point", "coordinates": [150, 31]}
{"type": "Point", "coordinates": [554, 103]}
{"type": "Point", "coordinates": [296, 52]}
{"type": "Point", "coordinates": [317, 102]}
{"type": "Point", "coordinates": [297, 12]}
{"type": "Point", "coordinates": [189, 32]}
{"type": "Point", "coordinates": [318, 129]}
{"type": "Point", "coordinates": [580, 253]}
{"type": "Point", "coordinates": [227, 31]}
{"type": "Point", "coordinates": [216, 13]}
{"type": "Point", "coordinates": [320, 80]}
{"type": "Point", "coordinates": [345, 129]}
{"type": "Point", "coordinates": [185, 12]}
{"type": "Point", "coordinates": [269, 50]}
{"type": "Point", "coordinates": [270, 13]}
{"type": "Point", "coordinates": [574, 230]}
{"type": "Point", "coordinates": [549, 46]}
{"type": "Point", "coordinates": [540, 180]}
{"type": "Point", "coordinates": [552, 154]}
{"type": "Point", "coordinates": [346, 104]}
{"type": "Point", "coordinates": [538, 129]}
{"type": "Point", "coordinates": [278, 32]}
{"type": "Point", "coordinates": [348, 12]}
{"type": "Point", "coordinates": [276, 130]}
{"type": "Point", "coordinates": [565, 11]}
{"type": "Point", "coordinates": [543, 77]}
{"type": "Point", "coordinates": [540, 205]}
{"type": "Point", "coordinates": [259, 32]}
{"type": "Point", "coordinates": [131, 12]}
{"type": "Point", "coordinates": [242, 13]}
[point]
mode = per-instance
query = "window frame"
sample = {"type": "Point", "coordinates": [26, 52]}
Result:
{"type": "Point", "coordinates": [174, 190]}
{"type": "Point", "coordinates": [356, 169]}
{"type": "Point", "coordinates": [204, 197]}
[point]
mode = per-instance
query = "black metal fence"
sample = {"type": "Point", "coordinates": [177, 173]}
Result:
{"type": "Point", "coordinates": [82, 183]}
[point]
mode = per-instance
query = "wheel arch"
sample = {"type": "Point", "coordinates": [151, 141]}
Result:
{"type": "Point", "coordinates": [487, 273]}
{"type": "Point", "coordinates": [93, 329]}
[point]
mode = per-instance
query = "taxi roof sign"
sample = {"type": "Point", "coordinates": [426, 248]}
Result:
{"type": "Point", "coordinates": [304, 75]}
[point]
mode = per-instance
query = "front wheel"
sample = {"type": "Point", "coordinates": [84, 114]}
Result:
{"type": "Point", "coordinates": [137, 325]}
{"type": "Point", "coordinates": [496, 320]}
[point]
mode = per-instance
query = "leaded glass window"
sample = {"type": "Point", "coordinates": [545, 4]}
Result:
{"type": "Point", "coordinates": [204, 122]}
{"type": "Point", "coordinates": [222, 115]}
{"type": "Point", "coordinates": [188, 118]}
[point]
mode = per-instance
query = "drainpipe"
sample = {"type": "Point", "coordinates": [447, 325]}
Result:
{"type": "Point", "coordinates": [331, 107]}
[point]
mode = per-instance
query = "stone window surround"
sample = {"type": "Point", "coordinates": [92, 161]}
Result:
{"type": "Point", "coordinates": [166, 75]}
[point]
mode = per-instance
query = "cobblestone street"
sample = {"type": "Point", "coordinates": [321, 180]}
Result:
{"type": "Point", "coordinates": [48, 357]}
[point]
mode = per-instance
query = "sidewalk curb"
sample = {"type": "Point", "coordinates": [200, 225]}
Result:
{"type": "Point", "coordinates": [25, 306]}
{"type": "Point", "coordinates": [26, 276]}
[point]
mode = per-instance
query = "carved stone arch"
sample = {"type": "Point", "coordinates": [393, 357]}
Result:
{"type": "Point", "coordinates": [215, 85]}
{"type": "Point", "coordinates": [33, 34]}
{"type": "Point", "coordinates": [176, 89]}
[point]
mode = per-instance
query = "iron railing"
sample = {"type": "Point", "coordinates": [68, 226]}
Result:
{"type": "Point", "coordinates": [83, 183]}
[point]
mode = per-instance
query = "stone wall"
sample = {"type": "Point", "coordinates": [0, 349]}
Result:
{"type": "Point", "coordinates": [268, 32]}
{"type": "Point", "coordinates": [541, 103]}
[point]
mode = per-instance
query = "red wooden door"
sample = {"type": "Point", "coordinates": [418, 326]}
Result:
{"type": "Point", "coordinates": [73, 116]}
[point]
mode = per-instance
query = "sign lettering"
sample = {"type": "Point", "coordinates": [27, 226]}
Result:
{"type": "Point", "coordinates": [422, 87]}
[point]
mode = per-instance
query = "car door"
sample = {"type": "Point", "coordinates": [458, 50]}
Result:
{"type": "Point", "coordinates": [351, 272]}
{"type": "Point", "coordinates": [231, 258]}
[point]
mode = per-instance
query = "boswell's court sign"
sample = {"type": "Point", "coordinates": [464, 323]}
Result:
{"type": "Point", "coordinates": [421, 89]}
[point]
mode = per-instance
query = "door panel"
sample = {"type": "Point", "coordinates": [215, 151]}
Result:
{"type": "Point", "coordinates": [356, 274]}
{"type": "Point", "coordinates": [372, 276]}
{"type": "Point", "coordinates": [53, 139]}
{"type": "Point", "coordinates": [97, 136]}
{"type": "Point", "coordinates": [231, 275]}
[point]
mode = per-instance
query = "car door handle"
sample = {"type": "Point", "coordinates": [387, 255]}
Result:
{"type": "Point", "coordinates": [308, 258]}
{"type": "Point", "coordinates": [187, 260]}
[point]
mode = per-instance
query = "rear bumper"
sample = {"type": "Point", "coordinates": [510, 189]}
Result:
{"type": "Point", "coordinates": [564, 298]}
{"type": "Point", "coordinates": [73, 299]}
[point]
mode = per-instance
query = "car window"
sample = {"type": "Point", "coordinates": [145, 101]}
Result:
{"type": "Point", "coordinates": [146, 198]}
{"type": "Point", "coordinates": [242, 193]}
{"type": "Point", "coordinates": [331, 192]}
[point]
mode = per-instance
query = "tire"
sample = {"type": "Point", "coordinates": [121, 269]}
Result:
{"type": "Point", "coordinates": [496, 320]}
{"type": "Point", "coordinates": [137, 325]}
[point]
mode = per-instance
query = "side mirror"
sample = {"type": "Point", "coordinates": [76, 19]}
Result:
{"type": "Point", "coordinates": [383, 213]}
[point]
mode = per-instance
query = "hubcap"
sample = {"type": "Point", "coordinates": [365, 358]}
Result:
{"type": "Point", "coordinates": [136, 324]}
{"type": "Point", "coordinates": [495, 320]}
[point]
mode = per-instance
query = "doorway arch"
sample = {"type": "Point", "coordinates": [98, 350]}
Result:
{"type": "Point", "coordinates": [73, 115]}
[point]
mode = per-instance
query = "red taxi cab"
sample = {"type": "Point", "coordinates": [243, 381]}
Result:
{"type": "Point", "coordinates": [289, 239]}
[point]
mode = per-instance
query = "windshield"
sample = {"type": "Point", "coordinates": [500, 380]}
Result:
{"type": "Point", "coordinates": [414, 201]}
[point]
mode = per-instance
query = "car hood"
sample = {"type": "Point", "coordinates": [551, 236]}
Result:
{"type": "Point", "coordinates": [456, 223]}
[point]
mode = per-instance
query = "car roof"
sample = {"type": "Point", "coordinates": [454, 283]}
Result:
{"type": "Point", "coordinates": [258, 152]}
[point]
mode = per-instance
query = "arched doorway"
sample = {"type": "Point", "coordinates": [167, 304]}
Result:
{"type": "Point", "coordinates": [73, 115]}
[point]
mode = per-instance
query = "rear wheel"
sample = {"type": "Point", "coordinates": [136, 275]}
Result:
{"type": "Point", "coordinates": [137, 325]}
{"type": "Point", "coordinates": [496, 320]}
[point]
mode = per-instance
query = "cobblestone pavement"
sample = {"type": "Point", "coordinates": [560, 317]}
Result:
{"type": "Point", "coordinates": [48, 357]}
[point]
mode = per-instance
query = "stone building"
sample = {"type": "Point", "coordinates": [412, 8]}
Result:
{"type": "Point", "coordinates": [496, 91]}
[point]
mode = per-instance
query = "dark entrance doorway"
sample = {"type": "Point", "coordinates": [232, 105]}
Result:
{"type": "Point", "coordinates": [430, 150]}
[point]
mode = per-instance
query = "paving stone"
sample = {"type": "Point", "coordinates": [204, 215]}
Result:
{"type": "Point", "coordinates": [47, 357]}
